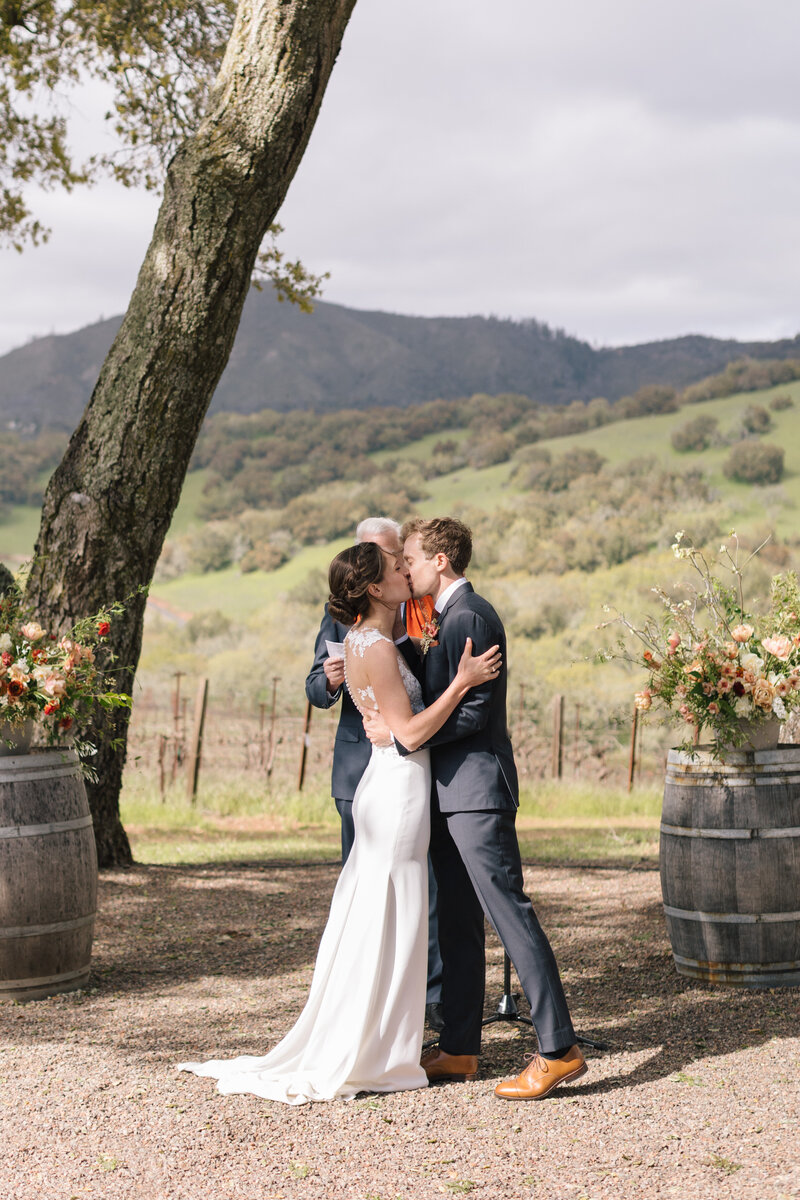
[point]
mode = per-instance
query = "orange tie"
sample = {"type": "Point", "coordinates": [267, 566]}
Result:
{"type": "Point", "coordinates": [418, 612]}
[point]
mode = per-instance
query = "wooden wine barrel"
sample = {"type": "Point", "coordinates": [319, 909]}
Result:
{"type": "Point", "coordinates": [730, 865]}
{"type": "Point", "coordinates": [48, 875]}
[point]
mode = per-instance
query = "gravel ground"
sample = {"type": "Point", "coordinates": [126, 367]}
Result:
{"type": "Point", "coordinates": [696, 1097]}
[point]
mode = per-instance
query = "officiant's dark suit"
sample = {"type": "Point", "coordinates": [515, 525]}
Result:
{"type": "Point", "coordinates": [474, 843]}
{"type": "Point", "coordinates": [351, 750]}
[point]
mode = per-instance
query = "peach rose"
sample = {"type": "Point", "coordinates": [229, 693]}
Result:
{"type": "Point", "coordinates": [54, 685]}
{"type": "Point", "coordinates": [780, 647]}
{"type": "Point", "coordinates": [643, 700]}
{"type": "Point", "coordinates": [32, 632]}
{"type": "Point", "coordinates": [742, 633]}
{"type": "Point", "coordinates": [763, 694]}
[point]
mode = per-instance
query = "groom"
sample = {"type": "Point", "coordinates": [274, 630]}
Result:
{"type": "Point", "coordinates": [474, 845]}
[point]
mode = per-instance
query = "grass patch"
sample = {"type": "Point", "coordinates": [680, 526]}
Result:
{"type": "Point", "coordinates": [240, 821]}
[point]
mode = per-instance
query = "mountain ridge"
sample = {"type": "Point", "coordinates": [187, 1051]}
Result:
{"type": "Point", "coordinates": [340, 357]}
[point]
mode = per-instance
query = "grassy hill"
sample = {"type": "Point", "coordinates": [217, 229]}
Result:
{"type": "Point", "coordinates": [547, 560]}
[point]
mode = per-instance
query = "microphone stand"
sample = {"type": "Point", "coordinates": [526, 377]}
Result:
{"type": "Point", "coordinates": [507, 1010]}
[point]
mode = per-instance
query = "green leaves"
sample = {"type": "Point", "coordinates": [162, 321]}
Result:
{"type": "Point", "coordinates": [160, 57]}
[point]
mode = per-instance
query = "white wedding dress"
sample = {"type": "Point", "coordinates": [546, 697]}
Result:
{"type": "Point", "coordinates": [361, 1028]}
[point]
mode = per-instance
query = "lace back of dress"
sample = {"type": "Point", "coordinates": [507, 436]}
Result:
{"type": "Point", "coordinates": [356, 644]}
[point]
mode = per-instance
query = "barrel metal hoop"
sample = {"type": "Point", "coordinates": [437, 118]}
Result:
{"type": "Point", "coordinates": [685, 914]}
{"type": "Point", "coordinates": [31, 776]}
{"type": "Point", "coordinates": [791, 831]}
{"type": "Point", "coordinates": [20, 831]}
{"type": "Point", "coordinates": [724, 779]}
{"type": "Point", "coordinates": [42, 980]}
{"type": "Point", "coordinates": [739, 967]}
{"type": "Point", "coordinates": [21, 931]}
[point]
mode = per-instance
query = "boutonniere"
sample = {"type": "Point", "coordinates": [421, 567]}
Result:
{"type": "Point", "coordinates": [428, 637]}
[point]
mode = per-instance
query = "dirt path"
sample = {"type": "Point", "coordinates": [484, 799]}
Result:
{"type": "Point", "coordinates": [698, 1096]}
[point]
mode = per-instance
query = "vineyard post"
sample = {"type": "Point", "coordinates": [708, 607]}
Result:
{"type": "Point", "coordinates": [272, 717]}
{"type": "Point", "coordinates": [195, 754]}
{"type": "Point", "coordinates": [176, 722]}
{"type": "Point", "coordinates": [576, 746]}
{"type": "Point", "coordinates": [632, 759]}
{"type": "Point", "coordinates": [558, 735]}
{"type": "Point", "coordinates": [304, 752]}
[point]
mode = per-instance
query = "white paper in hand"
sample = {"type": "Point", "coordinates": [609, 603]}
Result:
{"type": "Point", "coordinates": [335, 649]}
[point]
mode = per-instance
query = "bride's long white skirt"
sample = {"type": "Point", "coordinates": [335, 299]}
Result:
{"type": "Point", "coordinates": [361, 1028]}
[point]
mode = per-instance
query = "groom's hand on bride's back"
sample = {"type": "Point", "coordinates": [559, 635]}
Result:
{"type": "Point", "coordinates": [376, 729]}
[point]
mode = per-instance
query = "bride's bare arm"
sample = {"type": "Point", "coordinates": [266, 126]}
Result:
{"type": "Point", "coordinates": [414, 729]}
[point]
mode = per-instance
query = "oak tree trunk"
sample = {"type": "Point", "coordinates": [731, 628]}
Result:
{"type": "Point", "coordinates": [110, 502]}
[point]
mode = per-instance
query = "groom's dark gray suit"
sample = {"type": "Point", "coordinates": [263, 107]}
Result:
{"type": "Point", "coordinates": [474, 843]}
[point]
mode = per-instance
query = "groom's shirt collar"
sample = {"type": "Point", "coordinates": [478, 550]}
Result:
{"type": "Point", "coordinates": [448, 593]}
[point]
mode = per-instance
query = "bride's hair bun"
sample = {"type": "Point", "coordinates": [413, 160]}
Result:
{"type": "Point", "coordinates": [349, 576]}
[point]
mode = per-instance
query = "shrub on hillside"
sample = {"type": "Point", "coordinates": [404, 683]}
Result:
{"type": "Point", "coordinates": [744, 375]}
{"type": "Point", "coordinates": [486, 450]}
{"type": "Point", "coordinates": [694, 435]}
{"type": "Point", "coordinates": [208, 549]}
{"type": "Point", "coordinates": [263, 556]}
{"type": "Point", "coordinates": [749, 463]}
{"type": "Point", "coordinates": [779, 403]}
{"type": "Point", "coordinates": [756, 419]}
{"type": "Point", "coordinates": [652, 398]}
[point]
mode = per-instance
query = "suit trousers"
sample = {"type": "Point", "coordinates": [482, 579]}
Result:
{"type": "Point", "coordinates": [345, 811]}
{"type": "Point", "coordinates": [478, 870]}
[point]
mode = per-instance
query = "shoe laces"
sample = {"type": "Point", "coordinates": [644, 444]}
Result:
{"type": "Point", "coordinates": [535, 1059]}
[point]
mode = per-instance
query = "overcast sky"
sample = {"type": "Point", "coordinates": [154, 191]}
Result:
{"type": "Point", "coordinates": [617, 169]}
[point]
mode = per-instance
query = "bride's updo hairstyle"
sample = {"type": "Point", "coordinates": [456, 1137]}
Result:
{"type": "Point", "coordinates": [349, 577]}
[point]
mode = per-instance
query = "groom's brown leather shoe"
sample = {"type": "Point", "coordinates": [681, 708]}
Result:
{"type": "Point", "coordinates": [542, 1075]}
{"type": "Point", "coordinates": [438, 1064]}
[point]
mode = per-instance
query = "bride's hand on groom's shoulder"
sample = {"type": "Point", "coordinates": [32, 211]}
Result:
{"type": "Point", "coordinates": [376, 729]}
{"type": "Point", "coordinates": [474, 670]}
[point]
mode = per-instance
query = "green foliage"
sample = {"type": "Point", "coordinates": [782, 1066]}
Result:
{"type": "Point", "coordinates": [744, 375]}
{"type": "Point", "coordinates": [23, 462]}
{"type": "Point", "coordinates": [781, 403]}
{"type": "Point", "coordinates": [158, 56]}
{"type": "Point", "coordinates": [652, 398]}
{"type": "Point", "coordinates": [695, 434]}
{"type": "Point", "coordinates": [756, 419]}
{"type": "Point", "coordinates": [750, 462]}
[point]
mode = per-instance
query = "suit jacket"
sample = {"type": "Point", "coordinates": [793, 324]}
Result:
{"type": "Point", "coordinates": [351, 750]}
{"type": "Point", "coordinates": [471, 757]}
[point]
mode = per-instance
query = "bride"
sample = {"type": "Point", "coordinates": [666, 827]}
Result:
{"type": "Point", "coordinates": [361, 1028]}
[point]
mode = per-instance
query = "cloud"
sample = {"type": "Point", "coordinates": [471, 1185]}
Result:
{"type": "Point", "coordinates": [621, 171]}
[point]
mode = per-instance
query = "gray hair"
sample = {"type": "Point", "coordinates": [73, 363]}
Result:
{"type": "Point", "coordinates": [371, 527]}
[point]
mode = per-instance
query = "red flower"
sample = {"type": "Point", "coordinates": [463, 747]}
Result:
{"type": "Point", "coordinates": [7, 658]}
{"type": "Point", "coordinates": [15, 688]}
{"type": "Point", "coordinates": [50, 708]}
{"type": "Point", "coordinates": [104, 628]}
{"type": "Point", "coordinates": [66, 723]}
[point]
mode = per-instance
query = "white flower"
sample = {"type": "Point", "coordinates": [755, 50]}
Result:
{"type": "Point", "coordinates": [751, 662]}
{"type": "Point", "coordinates": [5, 642]}
{"type": "Point", "coordinates": [743, 707]}
{"type": "Point", "coordinates": [779, 708]}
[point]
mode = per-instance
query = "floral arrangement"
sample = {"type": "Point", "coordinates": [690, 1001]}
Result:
{"type": "Point", "coordinates": [49, 679]}
{"type": "Point", "coordinates": [712, 662]}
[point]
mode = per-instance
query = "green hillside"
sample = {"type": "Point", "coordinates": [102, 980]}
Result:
{"type": "Point", "coordinates": [549, 557]}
